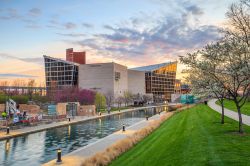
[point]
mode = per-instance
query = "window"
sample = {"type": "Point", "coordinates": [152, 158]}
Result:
{"type": "Point", "coordinates": [117, 76]}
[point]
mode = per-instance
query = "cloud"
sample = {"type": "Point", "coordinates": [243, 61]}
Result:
{"type": "Point", "coordinates": [71, 34]}
{"type": "Point", "coordinates": [10, 14]}
{"type": "Point", "coordinates": [29, 22]}
{"type": "Point", "coordinates": [69, 25]}
{"type": "Point", "coordinates": [195, 10]}
{"type": "Point", "coordinates": [37, 60]}
{"type": "Point", "coordinates": [87, 25]}
{"type": "Point", "coordinates": [11, 75]}
{"type": "Point", "coordinates": [165, 39]}
{"type": "Point", "coordinates": [108, 27]}
{"type": "Point", "coordinates": [35, 12]}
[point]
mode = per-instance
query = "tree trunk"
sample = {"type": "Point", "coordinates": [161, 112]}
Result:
{"type": "Point", "coordinates": [222, 112]}
{"type": "Point", "coordinates": [240, 120]}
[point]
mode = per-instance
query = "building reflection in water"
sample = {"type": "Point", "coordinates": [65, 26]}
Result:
{"type": "Point", "coordinates": [69, 130]}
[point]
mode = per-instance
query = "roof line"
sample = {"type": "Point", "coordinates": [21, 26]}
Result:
{"type": "Point", "coordinates": [152, 67]}
{"type": "Point", "coordinates": [61, 60]}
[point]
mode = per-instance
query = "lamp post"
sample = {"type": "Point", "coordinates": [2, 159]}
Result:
{"type": "Point", "coordinates": [123, 128]}
{"type": "Point", "coordinates": [59, 156]}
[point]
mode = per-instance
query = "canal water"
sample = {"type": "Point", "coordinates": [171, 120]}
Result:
{"type": "Point", "coordinates": [38, 148]}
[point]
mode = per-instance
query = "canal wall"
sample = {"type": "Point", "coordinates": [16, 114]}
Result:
{"type": "Point", "coordinates": [34, 129]}
{"type": "Point", "coordinates": [108, 148]}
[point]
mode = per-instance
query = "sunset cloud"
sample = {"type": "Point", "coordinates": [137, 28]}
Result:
{"type": "Point", "coordinates": [143, 33]}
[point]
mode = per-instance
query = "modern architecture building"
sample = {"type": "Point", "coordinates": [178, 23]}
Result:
{"type": "Point", "coordinates": [110, 78]}
{"type": "Point", "coordinates": [60, 73]}
{"type": "Point", "coordinates": [160, 80]}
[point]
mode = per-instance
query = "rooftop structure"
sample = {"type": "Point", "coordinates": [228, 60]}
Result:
{"type": "Point", "coordinates": [76, 57]}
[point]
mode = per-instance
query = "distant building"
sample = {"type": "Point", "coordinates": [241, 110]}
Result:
{"type": "Point", "coordinates": [110, 78]}
{"type": "Point", "coordinates": [185, 88]}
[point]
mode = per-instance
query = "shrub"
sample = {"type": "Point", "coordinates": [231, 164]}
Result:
{"type": "Point", "coordinates": [38, 98]}
{"type": "Point", "coordinates": [112, 152]}
{"type": "Point", "coordinates": [20, 99]}
{"type": "Point", "coordinates": [100, 101]}
{"type": "Point", "coordinates": [2, 99]}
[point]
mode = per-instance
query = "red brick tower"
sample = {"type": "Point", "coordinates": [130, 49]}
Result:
{"type": "Point", "coordinates": [77, 57]}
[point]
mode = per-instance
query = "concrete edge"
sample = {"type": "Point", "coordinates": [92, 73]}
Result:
{"type": "Point", "coordinates": [75, 122]}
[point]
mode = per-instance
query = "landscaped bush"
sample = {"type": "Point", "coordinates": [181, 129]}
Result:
{"type": "Point", "coordinates": [38, 98]}
{"type": "Point", "coordinates": [20, 99]}
{"type": "Point", "coordinates": [100, 101]}
{"type": "Point", "coordinates": [73, 94]}
{"type": "Point", "coordinates": [2, 99]}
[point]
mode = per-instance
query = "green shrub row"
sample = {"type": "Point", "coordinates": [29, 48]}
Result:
{"type": "Point", "coordinates": [20, 99]}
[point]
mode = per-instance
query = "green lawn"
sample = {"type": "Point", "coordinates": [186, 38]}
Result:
{"type": "Point", "coordinates": [191, 137]}
{"type": "Point", "coordinates": [229, 104]}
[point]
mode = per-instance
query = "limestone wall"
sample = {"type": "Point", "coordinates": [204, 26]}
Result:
{"type": "Point", "coordinates": [98, 77]}
{"type": "Point", "coordinates": [86, 110]}
{"type": "Point", "coordinates": [136, 82]}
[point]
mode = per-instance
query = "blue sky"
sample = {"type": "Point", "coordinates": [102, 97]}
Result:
{"type": "Point", "coordinates": [131, 32]}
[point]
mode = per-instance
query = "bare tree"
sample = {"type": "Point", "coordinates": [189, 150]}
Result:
{"type": "Point", "coordinates": [128, 96]}
{"type": "Point", "coordinates": [109, 98]}
{"type": "Point", "coordinates": [119, 100]}
{"type": "Point", "coordinates": [4, 83]}
{"type": "Point", "coordinates": [147, 98]}
{"type": "Point", "coordinates": [239, 21]}
{"type": "Point", "coordinates": [31, 84]}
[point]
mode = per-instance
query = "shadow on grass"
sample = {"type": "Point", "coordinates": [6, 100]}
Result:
{"type": "Point", "coordinates": [236, 133]}
{"type": "Point", "coordinates": [223, 123]}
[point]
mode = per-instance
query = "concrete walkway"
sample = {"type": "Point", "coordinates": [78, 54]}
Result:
{"type": "Point", "coordinates": [79, 119]}
{"type": "Point", "coordinates": [105, 142]}
{"type": "Point", "coordinates": [231, 114]}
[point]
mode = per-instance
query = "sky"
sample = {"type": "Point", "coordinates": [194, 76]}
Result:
{"type": "Point", "coordinates": [130, 32]}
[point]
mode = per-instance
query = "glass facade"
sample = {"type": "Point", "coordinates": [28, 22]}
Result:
{"type": "Point", "coordinates": [59, 73]}
{"type": "Point", "coordinates": [160, 80]}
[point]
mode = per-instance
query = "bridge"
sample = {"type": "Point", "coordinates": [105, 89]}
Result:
{"type": "Point", "coordinates": [23, 90]}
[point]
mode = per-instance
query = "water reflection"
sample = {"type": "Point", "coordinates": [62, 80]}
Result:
{"type": "Point", "coordinates": [37, 148]}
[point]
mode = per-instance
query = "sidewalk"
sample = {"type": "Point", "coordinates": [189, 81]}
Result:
{"type": "Point", "coordinates": [229, 113]}
{"type": "Point", "coordinates": [33, 129]}
{"type": "Point", "coordinates": [78, 155]}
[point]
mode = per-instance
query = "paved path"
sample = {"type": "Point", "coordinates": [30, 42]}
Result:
{"type": "Point", "coordinates": [229, 113]}
{"type": "Point", "coordinates": [105, 142]}
{"type": "Point", "coordinates": [33, 129]}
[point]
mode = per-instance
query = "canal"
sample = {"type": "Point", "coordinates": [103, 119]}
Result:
{"type": "Point", "coordinates": [38, 148]}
